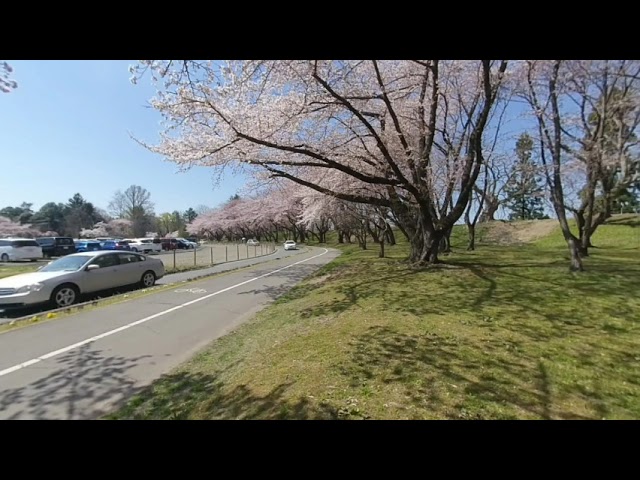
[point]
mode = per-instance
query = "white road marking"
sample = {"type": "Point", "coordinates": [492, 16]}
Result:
{"type": "Point", "coordinates": [46, 356]}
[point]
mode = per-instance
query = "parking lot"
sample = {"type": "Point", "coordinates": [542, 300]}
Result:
{"type": "Point", "coordinates": [212, 254]}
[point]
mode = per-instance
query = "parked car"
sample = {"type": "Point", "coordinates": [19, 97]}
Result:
{"type": "Point", "coordinates": [13, 249]}
{"type": "Point", "coordinates": [253, 242]}
{"type": "Point", "coordinates": [290, 245]}
{"type": "Point", "coordinates": [188, 243]}
{"type": "Point", "coordinates": [174, 244]}
{"type": "Point", "coordinates": [63, 281]}
{"type": "Point", "coordinates": [145, 245]}
{"type": "Point", "coordinates": [115, 245]}
{"type": "Point", "coordinates": [56, 246]}
{"type": "Point", "coordinates": [87, 246]}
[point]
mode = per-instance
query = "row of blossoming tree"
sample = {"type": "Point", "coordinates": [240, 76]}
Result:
{"type": "Point", "coordinates": [414, 142]}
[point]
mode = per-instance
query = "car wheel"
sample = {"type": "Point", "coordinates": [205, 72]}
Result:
{"type": "Point", "coordinates": [4, 257]}
{"type": "Point", "coordinates": [148, 279]}
{"type": "Point", "coordinates": [65, 296]}
{"type": "Point", "coordinates": [134, 249]}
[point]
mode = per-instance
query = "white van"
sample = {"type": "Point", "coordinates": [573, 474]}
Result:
{"type": "Point", "coordinates": [12, 249]}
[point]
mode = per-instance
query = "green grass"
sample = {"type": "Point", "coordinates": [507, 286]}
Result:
{"type": "Point", "coordinates": [505, 332]}
{"type": "Point", "coordinates": [15, 269]}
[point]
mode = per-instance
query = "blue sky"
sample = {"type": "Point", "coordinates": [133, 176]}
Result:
{"type": "Point", "coordinates": [65, 130]}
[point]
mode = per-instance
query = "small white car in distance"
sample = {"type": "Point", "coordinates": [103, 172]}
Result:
{"type": "Point", "coordinates": [253, 242]}
{"type": "Point", "coordinates": [290, 245]}
{"type": "Point", "coordinates": [63, 281]}
{"type": "Point", "coordinates": [14, 249]}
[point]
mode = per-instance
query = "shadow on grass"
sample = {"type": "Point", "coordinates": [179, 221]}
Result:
{"type": "Point", "coordinates": [429, 367]}
{"type": "Point", "coordinates": [182, 396]}
{"type": "Point", "coordinates": [82, 384]}
{"type": "Point", "coordinates": [496, 291]}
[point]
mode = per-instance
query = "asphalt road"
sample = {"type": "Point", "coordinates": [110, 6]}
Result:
{"type": "Point", "coordinates": [7, 316]}
{"type": "Point", "coordinates": [85, 365]}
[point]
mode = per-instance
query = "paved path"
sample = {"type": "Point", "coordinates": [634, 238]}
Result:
{"type": "Point", "coordinates": [84, 365]}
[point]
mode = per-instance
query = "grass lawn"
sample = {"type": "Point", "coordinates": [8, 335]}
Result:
{"type": "Point", "coordinates": [15, 269]}
{"type": "Point", "coordinates": [505, 332]}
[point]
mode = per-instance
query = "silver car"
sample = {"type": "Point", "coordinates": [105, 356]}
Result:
{"type": "Point", "coordinates": [62, 281]}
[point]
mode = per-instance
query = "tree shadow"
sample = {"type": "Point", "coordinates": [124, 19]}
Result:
{"type": "Point", "coordinates": [80, 383]}
{"type": "Point", "coordinates": [633, 221]}
{"type": "Point", "coordinates": [290, 276]}
{"type": "Point", "coordinates": [427, 367]}
{"type": "Point", "coordinates": [183, 396]}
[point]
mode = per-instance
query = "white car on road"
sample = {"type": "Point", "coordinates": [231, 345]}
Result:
{"type": "Point", "coordinates": [63, 281]}
{"type": "Point", "coordinates": [290, 245]}
{"type": "Point", "coordinates": [13, 249]}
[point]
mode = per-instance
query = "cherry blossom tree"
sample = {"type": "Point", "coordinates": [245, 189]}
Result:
{"type": "Point", "coordinates": [587, 115]}
{"type": "Point", "coordinates": [9, 228]}
{"type": "Point", "coordinates": [6, 83]}
{"type": "Point", "coordinates": [380, 123]}
{"type": "Point", "coordinates": [118, 227]}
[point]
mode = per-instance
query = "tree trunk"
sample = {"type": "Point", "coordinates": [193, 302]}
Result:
{"type": "Point", "coordinates": [491, 207]}
{"type": "Point", "coordinates": [424, 246]}
{"type": "Point", "coordinates": [340, 236]}
{"type": "Point", "coordinates": [576, 256]}
{"type": "Point", "coordinates": [381, 242]}
{"type": "Point", "coordinates": [390, 237]}
{"type": "Point", "coordinates": [445, 242]}
{"type": "Point", "coordinates": [471, 229]}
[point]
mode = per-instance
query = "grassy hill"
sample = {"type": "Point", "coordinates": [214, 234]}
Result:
{"type": "Point", "coordinates": [505, 332]}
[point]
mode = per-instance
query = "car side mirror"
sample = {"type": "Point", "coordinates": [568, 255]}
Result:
{"type": "Point", "coordinates": [93, 266]}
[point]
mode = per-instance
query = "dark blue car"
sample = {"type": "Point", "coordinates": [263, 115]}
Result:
{"type": "Point", "coordinates": [115, 245]}
{"type": "Point", "coordinates": [87, 246]}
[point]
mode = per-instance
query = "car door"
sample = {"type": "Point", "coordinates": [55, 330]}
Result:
{"type": "Point", "coordinates": [131, 267]}
{"type": "Point", "coordinates": [105, 277]}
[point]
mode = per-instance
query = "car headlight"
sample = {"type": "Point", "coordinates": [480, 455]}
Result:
{"type": "Point", "coordinates": [36, 287]}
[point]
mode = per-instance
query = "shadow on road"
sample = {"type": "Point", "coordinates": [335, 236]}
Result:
{"type": "Point", "coordinates": [290, 276]}
{"type": "Point", "coordinates": [83, 384]}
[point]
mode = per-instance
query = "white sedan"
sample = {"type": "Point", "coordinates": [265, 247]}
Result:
{"type": "Point", "coordinates": [290, 245]}
{"type": "Point", "coordinates": [63, 281]}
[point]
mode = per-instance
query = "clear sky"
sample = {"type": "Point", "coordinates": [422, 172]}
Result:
{"type": "Point", "coordinates": [65, 130]}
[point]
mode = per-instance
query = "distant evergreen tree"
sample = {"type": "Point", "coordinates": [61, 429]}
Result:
{"type": "Point", "coordinates": [524, 191]}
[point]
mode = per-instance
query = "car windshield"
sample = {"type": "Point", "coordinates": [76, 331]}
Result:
{"type": "Point", "coordinates": [67, 264]}
{"type": "Point", "coordinates": [64, 241]}
{"type": "Point", "coordinates": [24, 243]}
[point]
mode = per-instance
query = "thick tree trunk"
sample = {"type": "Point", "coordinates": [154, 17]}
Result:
{"type": "Point", "coordinates": [490, 209]}
{"type": "Point", "coordinates": [471, 230]}
{"type": "Point", "coordinates": [381, 242]}
{"type": "Point", "coordinates": [425, 244]}
{"type": "Point", "coordinates": [573, 243]}
{"type": "Point", "coordinates": [340, 236]}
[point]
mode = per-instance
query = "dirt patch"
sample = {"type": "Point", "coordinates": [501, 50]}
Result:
{"type": "Point", "coordinates": [513, 233]}
{"type": "Point", "coordinates": [320, 279]}
{"type": "Point", "coordinates": [529, 231]}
